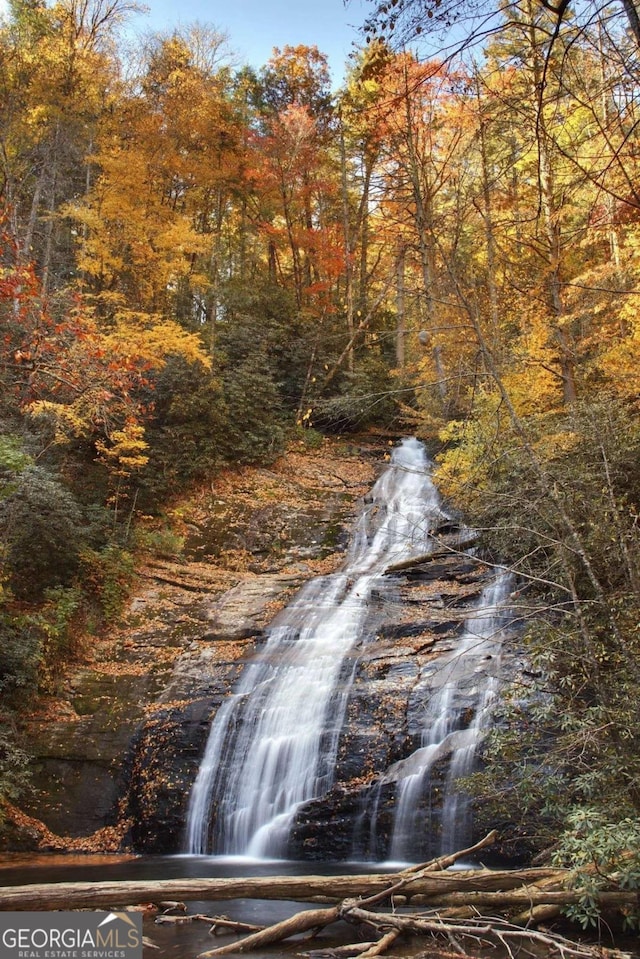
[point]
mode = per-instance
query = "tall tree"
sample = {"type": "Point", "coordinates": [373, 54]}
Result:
{"type": "Point", "coordinates": [55, 78]}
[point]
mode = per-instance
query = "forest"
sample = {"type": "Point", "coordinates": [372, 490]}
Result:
{"type": "Point", "coordinates": [200, 263]}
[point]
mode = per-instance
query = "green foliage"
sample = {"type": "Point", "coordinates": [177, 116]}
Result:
{"type": "Point", "coordinates": [311, 438]}
{"type": "Point", "coordinates": [365, 398]}
{"type": "Point", "coordinates": [43, 528]}
{"type": "Point", "coordinates": [162, 542]}
{"type": "Point", "coordinates": [13, 461]}
{"type": "Point", "coordinates": [256, 428]}
{"type": "Point", "coordinates": [186, 434]}
{"type": "Point", "coordinates": [562, 509]}
{"type": "Point", "coordinates": [14, 762]}
{"type": "Point", "coordinates": [107, 576]}
{"type": "Point", "coordinates": [596, 848]}
{"type": "Point", "coordinates": [20, 656]}
{"type": "Point", "coordinates": [262, 365]}
{"type": "Point", "coordinates": [262, 329]}
{"type": "Point", "coordinates": [59, 620]}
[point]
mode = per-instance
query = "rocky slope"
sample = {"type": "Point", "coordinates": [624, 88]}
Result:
{"type": "Point", "coordinates": [250, 540]}
{"type": "Point", "coordinates": [124, 744]}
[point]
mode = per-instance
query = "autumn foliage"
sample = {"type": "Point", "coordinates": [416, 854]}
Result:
{"type": "Point", "coordinates": [198, 260]}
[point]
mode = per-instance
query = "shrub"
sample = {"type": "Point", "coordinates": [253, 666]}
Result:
{"type": "Point", "coordinates": [107, 575]}
{"type": "Point", "coordinates": [14, 762]}
{"type": "Point", "coordinates": [20, 656]}
{"type": "Point", "coordinates": [43, 528]}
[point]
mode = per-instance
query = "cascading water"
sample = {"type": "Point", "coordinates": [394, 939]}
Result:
{"type": "Point", "coordinates": [273, 743]}
{"type": "Point", "coordinates": [459, 690]}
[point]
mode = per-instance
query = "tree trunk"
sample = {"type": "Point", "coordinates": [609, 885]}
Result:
{"type": "Point", "coordinates": [550, 218]}
{"type": "Point", "coordinates": [346, 233]}
{"type": "Point", "coordinates": [327, 889]}
{"type": "Point", "coordinates": [634, 20]}
{"type": "Point", "coordinates": [400, 320]}
{"type": "Point", "coordinates": [423, 200]}
{"type": "Point", "coordinates": [487, 216]}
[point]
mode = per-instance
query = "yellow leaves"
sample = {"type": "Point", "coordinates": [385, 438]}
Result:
{"type": "Point", "coordinates": [556, 444]}
{"type": "Point", "coordinates": [151, 339]}
{"type": "Point", "coordinates": [533, 379]}
{"type": "Point", "coordinates": [461, 466]}
{"type": "Point", "coordinates": [533, 386]}
{"type": "Point", "coordinates": [125, 452]}
{"type": "Point", "coordinates": [68, 420]}
{"type": "Point", "coordinates": [620, 363]}
{"type": "Point", "coordinates": [37, 116]}
{"type": "Point", "coordinates": [305, 419]}
{"type": "Point", "coordinates": [180, 238]}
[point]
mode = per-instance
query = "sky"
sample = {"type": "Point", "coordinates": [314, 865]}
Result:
{"type": "Point", "coordinates": [255, 27]}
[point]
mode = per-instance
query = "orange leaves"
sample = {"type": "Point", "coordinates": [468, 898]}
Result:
{"type": "Point", "coordinates": [168, 161]}
{"type": "Point", "coordinates": [86, 381]}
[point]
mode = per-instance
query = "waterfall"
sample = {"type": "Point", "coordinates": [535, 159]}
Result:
{"type": "Point", "coordinates": [273, 743]}
{"type": "Point", "coordinates": [458, 690]}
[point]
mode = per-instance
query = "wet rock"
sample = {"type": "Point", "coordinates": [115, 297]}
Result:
{"type": "Point", "coordinates": [163, 762]}
{"type": "Point", "coordinates": [135, 745]}
{"type": "Point", "coordinates": [244, 610]}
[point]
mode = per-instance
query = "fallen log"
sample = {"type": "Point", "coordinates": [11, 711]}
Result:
{"type": "Point", "coordinates": [525, 895]}
{"type": "Point", "coordinates": [218, 924]}
{"type": "Point", "coordinates": [455, 548]}
{"type": "Point", "coordinates": [302, 922]}
{"type": "Point", "coordinates": [314, 889]}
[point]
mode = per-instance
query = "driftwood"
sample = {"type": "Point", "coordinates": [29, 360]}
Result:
{"type": "Point", "coordinates": [218, 924]}
{"type": "Point", "coordinates": [310, 919]}
{"type": "Point", "coordinates": [483, 930]}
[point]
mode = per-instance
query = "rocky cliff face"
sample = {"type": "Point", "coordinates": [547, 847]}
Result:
{"type": "Point", "coordinates": [124, 735]}
{"type": "Point", "coordinates": [417, 620]}
{"type": "Point", "coordinates": [127, 746]}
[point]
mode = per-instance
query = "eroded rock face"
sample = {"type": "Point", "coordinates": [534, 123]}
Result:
{"type": "Point", "coordinates": [131, 744]}
{"type": "Point", "coordinates": [125, 735]}
{"type": "Point", "coordinates": [419, 619]}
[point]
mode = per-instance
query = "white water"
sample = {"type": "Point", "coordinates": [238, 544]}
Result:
{"type": "Point", "coordinates": [273, 743]}
{"type": "Point", "coordinates": [459, 690]}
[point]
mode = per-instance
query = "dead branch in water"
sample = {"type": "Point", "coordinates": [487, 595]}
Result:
{"type": "Point", "coordinates": [466, 926]}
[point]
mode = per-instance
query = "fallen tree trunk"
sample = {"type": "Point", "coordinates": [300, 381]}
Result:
{"type": "Point", "coordinates": [455, 547]}
{"type": "Point", "coordinates": [473, 889]}
{"type": "Point", "coordinates": [316, 889]}
{"type": "Point", "coordinates": [302, 922]}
